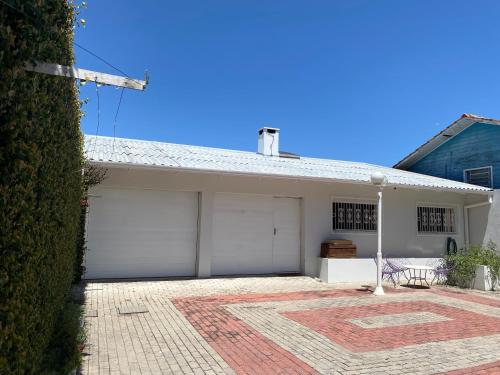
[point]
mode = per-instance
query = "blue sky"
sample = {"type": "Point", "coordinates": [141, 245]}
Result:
{"type": "Point", "coordinates": [358, 80]}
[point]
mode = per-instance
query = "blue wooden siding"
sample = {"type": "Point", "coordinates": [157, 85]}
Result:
{"type": "Point", "coordinates": [475, 147]}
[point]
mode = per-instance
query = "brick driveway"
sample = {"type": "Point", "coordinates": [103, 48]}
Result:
{"type": "Point", "coordinates": [286, 325]}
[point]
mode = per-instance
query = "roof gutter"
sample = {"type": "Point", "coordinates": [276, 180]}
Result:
{"type": "Point", "coordinates": [288, 177]}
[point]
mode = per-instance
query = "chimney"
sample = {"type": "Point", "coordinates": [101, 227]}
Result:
{"type": "Point", "coordinates": [269, 141]}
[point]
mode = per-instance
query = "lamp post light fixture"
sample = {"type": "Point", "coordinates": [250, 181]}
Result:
{"type": "Point", "coordinates": [379, 180]}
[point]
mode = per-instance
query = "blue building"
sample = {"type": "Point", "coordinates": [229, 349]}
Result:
{"type": "Point", "coordinates": [468, 150]}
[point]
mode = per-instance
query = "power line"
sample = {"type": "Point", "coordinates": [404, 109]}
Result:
{"type": "Point", "coordinates": [102, 59]}
{"type": "Point", "coordinates": [10, 5]}
{"type": "Point", "coordinates": [116, 116]}
{"type": "Point", "coordinates": [98, 118]}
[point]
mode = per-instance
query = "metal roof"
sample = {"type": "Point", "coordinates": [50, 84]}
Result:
{"type": "Point", "coordinates": [131, 152]}
{"type": "Point", "coordinates": [443, 136]}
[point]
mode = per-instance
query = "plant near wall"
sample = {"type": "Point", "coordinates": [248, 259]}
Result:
{"type": "Point", "coordinates": [40, 179]}
{"type": "Point", "coordinates": [63, 354]}
{"type": "Point", "coordinates": [463, 265]}
{"type": "Point", "coordinates": [494, 265]}
{"type": "Point", "coordinates": [92, 175]}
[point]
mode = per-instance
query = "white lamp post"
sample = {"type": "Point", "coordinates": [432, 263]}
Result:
{"type": "Point", "coordinates": [379, 180]}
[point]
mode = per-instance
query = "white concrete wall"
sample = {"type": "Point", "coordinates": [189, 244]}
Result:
{"type": "Point", "coordinates": [478, 222]}
{"type": "Point", "coordinates": [483, 279]}
{"type": "Point", "coordinates": [347, 270]}
{"type": "Point", "coordinates": [399, 214]}
{"type": "Point", "coordinates": [492, 232]}
{"type": "Point", "coordinates": [356, 270]}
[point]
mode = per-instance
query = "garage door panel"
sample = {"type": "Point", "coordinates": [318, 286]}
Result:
{"type": "Point", "coordinates": [242, 225]}
{"type": "Point", "coordinates": [140, 246]}
{"type": "Point", "coordinates": [134, 269]}
{"type": "Point", "coordinates": [239, 233]}
{"type": "Point", "coordinates": [142, 233]}
{"type": "Point", "coordinates": [244, 241]}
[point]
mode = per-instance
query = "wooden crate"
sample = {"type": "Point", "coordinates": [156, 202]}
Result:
{"type": "Point", "coordinates": [338, 242]}
{"type": "Point", "coordinates": [329, 250]}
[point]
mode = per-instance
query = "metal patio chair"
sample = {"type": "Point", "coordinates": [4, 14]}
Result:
{"type": "Point", "coordinates": [391, 271]}
{"type": "Point", "coordinates": [441, 273]}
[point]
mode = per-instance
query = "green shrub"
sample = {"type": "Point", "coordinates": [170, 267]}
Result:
{"type": "Point", "coordinates": [92, 175]}
{"type": "Point", "coordinates": [81, 243]}
{"type": "Point", "coordinates": [64, 350]}
{"type": "Point", "coordinates": [40, 179]}
{"type": "Point", "coordinates": [463, 264]}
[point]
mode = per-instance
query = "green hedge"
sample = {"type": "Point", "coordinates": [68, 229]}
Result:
{"type": "Point", "coordinates": [81, 244]}
{"type": "Point", "coordinates": [92, 176]}
{"type": "Point", "coordinates": [40, 179]}
{"type": "Point", "coordinates": [63, 354]}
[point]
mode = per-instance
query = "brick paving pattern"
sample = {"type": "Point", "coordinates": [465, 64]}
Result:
{"type": "Point", "coordinates": [293, 325]}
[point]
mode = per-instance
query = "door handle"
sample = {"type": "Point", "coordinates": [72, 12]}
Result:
{"type": "Point", "coordinates": [275, 231]}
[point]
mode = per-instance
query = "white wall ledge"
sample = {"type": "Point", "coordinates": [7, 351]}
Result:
{"type": "Point", "coordinates": [363, 270]}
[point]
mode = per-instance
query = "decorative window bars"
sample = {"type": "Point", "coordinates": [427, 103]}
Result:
{"type": "Point", "coordinates": [435, 219]}
{"type": "Point", "coordinates": [351, 216]}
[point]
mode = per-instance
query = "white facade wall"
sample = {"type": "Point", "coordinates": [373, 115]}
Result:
{"type": "Point", "coordinates": [492, 232]}
{"type": "Point", "coordinates": [334, 270]}
{"type": "Point", "coordinates": [399, 213]}
{"type": "Point", "coordinates": [478, 223]}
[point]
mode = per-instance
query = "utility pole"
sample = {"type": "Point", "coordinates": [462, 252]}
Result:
{"type": "Point", "coordinates": [88, 75]}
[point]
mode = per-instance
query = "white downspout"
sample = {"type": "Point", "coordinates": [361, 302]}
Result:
{"type": "Point", "coordinates": [466, 217]}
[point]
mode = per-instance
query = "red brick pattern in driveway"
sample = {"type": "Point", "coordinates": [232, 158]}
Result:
{"type": "Point", "coordinates": [493, 302]}
{"type": "Point", "coordinates": [286, 325]}
{"type": "Point", "coordinates": [488, 369]}
{"type": "Point", "coordinates": [246, 350]}
{"type": "Point", "coordinates": [334, 323]}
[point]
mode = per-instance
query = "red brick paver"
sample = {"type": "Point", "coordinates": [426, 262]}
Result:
{"type": "Point", "coordinates": [467, 297]}
{"type": "Point", "coordinates": [247, 351]}
{"type": "Point", "coordinates": [334, 324]}
{"type": "Point", "coordinates": [488, 369]}
{"type": "Point", "coordinates": [287, 326]}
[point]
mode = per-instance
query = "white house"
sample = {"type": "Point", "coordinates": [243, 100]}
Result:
{"type": "Point", "coordinates": [179, 210]}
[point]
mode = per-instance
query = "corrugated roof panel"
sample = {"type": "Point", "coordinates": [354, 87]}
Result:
{"type": "Point", "coordinates": [127, 151]}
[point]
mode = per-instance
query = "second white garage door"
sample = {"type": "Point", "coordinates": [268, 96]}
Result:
{"type": "Point", "coordinates": [254, 234]}
{"type": "Point", "coordinates": [141, 233]}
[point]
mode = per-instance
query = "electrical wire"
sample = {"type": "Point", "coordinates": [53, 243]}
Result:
{"type": "Point", "coordinates": [10, 6]}
{"type": "Point", "coordinates": [98, 119]}
{"type": "Point", "coordinates": [116, 116]}
{"type": "Point", "coordinates": [104, 61]}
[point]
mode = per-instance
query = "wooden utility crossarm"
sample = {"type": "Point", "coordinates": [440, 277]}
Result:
{"type": "Point", "coordinates": [87, 75]}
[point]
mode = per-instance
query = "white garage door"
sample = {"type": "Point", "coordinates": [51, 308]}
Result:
{"type": "Point", "coordinates": [255, 234]}
{"type": "Point", "coordinates": [141, 233]}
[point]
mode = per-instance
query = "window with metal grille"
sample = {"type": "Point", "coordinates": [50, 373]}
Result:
{"type": "Point", "coordinates": [435, 219]}
{"type": "Point", "coordinates": [352, 216]}
{"type": "Point", "coordinates": [479, 176]}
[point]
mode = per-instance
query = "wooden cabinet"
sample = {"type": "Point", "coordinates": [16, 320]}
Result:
{"type": "Point", "coordinates": [338, 249]}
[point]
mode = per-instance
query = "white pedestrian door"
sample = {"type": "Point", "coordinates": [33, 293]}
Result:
{"type": "Point", "coordinates": [286, 240]}
{"type": "Point", "coordinates": [255, 234]}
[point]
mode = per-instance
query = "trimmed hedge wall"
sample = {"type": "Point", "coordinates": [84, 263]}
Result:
{"type": "Point", "coordinates": [40, 179]}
